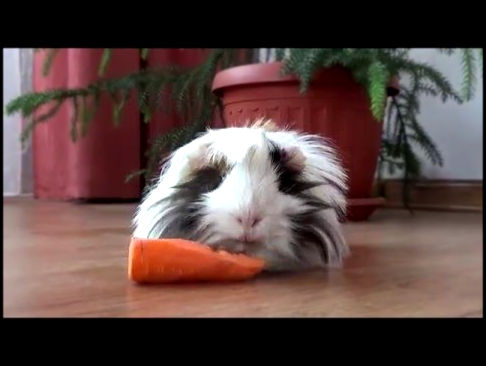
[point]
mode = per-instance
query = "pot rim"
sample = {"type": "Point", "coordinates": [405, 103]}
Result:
{"type": "Point", "coordinates": [267, 72]}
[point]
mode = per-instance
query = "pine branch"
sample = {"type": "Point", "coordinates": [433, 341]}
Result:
{"type": "Point", "coordinates": [27, 104]}
{"type": "Point", "coordinates": [105, 59]}
{"type": "Point", "coordinates": [87, 114]}
{"type": "Point", "coordinates": [422, 71]}
{"type": "Point", "coordinates": [468, 63]}
{"type": "Point", "coordinates": [207, 71]}
{"type": "Point", "coordinates": [280, 53]}
{"type": "Point", "coordinates": [49, 60]}
{"type": "Point", "coordinates": [480, 57]}
{"type": "Point", "coordinates": [25, 135]}
{"type": "Point", "coordinates": [229, 57]}
{"type": "Point", "coordinates": [378, 79]}
{"type": "Point", "coordinates": [292, 63]}
{"type": "Point", "coordinates": [397, 150]}
{"type": "Point", "coordinates": [172, 140]}
{"type": "Point", "coordinates": [144, 53]}
{"type": "Point", "coordinates": [447, 51]}
{"type": "Point", "coordinates": [411, 163]}
{"type": "Point", "coordinates": [120, 99]}
{"type": "Point", "coordinates": [308, 65]}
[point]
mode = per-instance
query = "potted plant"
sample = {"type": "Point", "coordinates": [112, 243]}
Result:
{"type": "Point", "coordinates": [339, 93]}
{"type": "Point", "coordinates": [331, 104]}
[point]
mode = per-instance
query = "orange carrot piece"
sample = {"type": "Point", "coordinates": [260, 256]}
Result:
{"type": "Point", "coordinates": [179, 260]}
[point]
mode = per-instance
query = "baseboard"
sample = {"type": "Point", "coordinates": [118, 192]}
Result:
{"type": "Point", "coordinates": [15, 195]}
{"type": "Point", "coordinates": [431, 195]}
{"type": "Point", "coordinates": [438, 195]}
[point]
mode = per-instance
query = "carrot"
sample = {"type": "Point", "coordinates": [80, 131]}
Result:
{"type": "Point", "coordinates": [179, 260]}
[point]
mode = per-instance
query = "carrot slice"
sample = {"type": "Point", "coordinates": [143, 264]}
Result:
{"type": "Point", "coordinates": [179, 260]}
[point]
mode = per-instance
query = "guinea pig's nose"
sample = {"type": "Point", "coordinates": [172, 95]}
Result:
{"type": "Point", "coordinates": [247, 239]}
{"type": "Point", "coordinates": [248, 221]}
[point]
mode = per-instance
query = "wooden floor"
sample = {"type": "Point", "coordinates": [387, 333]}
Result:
{"type": "Point", "coordinates": [69, 260]}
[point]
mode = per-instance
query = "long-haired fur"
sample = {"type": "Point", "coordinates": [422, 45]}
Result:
{"type": "Point", "coordinates": [292, 180]}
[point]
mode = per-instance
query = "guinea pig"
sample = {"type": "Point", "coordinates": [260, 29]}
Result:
{"type": "Point", "coordinates": [259, 190]}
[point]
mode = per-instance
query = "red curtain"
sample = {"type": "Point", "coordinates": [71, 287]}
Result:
{"type": "Point", "coordinates": [95, 167]}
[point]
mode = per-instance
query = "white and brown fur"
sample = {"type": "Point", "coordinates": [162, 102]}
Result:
{"type": "Point", "coordinates": [259, 189]}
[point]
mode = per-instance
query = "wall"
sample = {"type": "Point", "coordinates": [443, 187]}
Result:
{"type": "Point", "coordinates": [17, 162]}
{"type": "Point", "coordinates": [456, 129]}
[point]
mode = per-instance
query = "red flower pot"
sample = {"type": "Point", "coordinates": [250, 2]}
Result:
{"type": "Point", "coordinates": [335, 106]}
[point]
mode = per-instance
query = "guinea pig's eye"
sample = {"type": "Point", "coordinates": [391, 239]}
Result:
{"type": "Point", "coordinates": [280, 158]}
{"type": "Point", "coordinates": [277, 155]}
{"type": "Point", "coordinates": [202, 181]}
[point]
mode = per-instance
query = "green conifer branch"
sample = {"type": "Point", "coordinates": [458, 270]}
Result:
{"type": "Point", "coordinates": [144, 52]}
{"type": "Point", "coordinates": [105, 59]}
{"type": "Point", "coordinates": [379, 77]}
{"type": "Point", "coordinates": [280, 54]}
{"type": "Point", "coordinates": [49, 60]}
{"type": "Point", "coordinates": [469, 81]}
{"type": "Point", "coordinates": [480, 59]}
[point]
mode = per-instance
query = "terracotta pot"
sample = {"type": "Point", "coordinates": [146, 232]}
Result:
{"type": "Point", "coordinates": [335, 106]}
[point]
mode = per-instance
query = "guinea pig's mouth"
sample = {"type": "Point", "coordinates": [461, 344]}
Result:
{"type": "Point", "coordinates": [234, 246]}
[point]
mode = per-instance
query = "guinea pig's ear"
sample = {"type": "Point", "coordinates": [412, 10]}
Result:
{"type": "Point", "coordinates": [266, 124]}
{"type": "Point", "coordinates": [293, 158]}
{"type": "Point", "coordinates": [199, 158]}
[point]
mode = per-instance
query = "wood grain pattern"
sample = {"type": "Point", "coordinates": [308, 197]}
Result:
{"type": "Point", "coordinates": [65, 260]}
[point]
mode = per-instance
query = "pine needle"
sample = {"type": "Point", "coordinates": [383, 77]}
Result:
{"type": "Point", "coordinates": [378, 78]}
{"type": "Point", "coordinates": [26, 133]}
{"type": "Point", "coordinates": [480, 51]}
{"type": "Point", "coordinates": [49, 60]}
{"type": "Point", "coordinates": [468, 63]}
{"type": "Point", "coordinates": [144, 53]}
{"type": "Point", "coordinates": [74, 119]}
{"type": "Point", "coordinates": [280, 54]}
{"type": "Point", "coordinates": [119, 105]}
{"type": "Point", "coordinates": [105, 59]}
